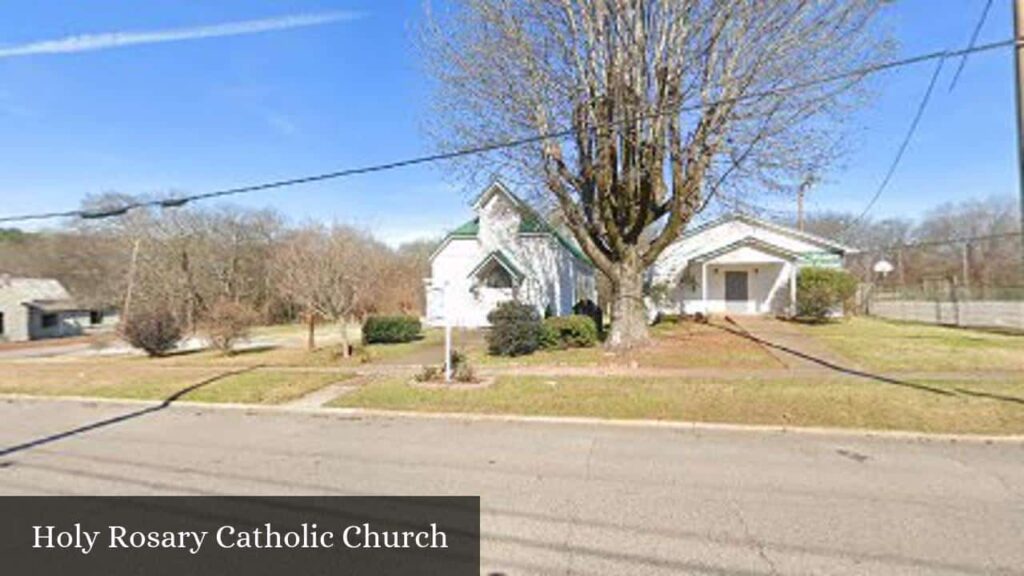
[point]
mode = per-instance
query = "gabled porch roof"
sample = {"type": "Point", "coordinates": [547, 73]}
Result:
{"type": "Point", "coordinates": [748, 242]}
{"type": "Point", "coordinates": [501, 259]}
{"type": "Point", "coordinates": [825, 243]}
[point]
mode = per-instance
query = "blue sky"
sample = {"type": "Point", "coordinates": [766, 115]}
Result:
{"type": "Point", "coordinates": [199, 114]}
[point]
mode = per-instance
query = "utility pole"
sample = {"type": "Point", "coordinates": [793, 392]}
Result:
{"type": "Point", "coordinates": [800, 208]}
{"type": "Point", "coordinates": [1018, 29]}
{"type": "Point", "coordinates": [129, 291]}
{"type": "Point", "coordinates": [966, 265]}
{"type": "Point", "coordinates": [801, 191]}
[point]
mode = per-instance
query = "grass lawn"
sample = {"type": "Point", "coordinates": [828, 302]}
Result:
{"type": "Point", "coordinates": [882, 345]}
{"type": "Point", "coordinates": [138, 380]}
{"type": "Point", "coordinates": [684, 345]}
{"type": "Point", "coordinates": [834, 402]}
{"type": "Point", "coordinates": [326, 355]}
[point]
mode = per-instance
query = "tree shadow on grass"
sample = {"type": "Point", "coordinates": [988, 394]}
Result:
{"type": "Point", "coordinates": [991, 396]}
{"type": "Point", "coordinates": [836, 367]}
{"type": "Point", "coordinates": [876, 377]}
{"type": "Point", "coordinates": [123, 417]}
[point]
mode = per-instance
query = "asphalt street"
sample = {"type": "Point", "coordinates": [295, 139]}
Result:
{"type": "Point", "coordinates": [567, 498]}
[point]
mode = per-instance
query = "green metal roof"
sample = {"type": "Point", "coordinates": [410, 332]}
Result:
{"type": "Point", "coordinates": [532, 223]}
{"type": "Point", "coordinates": [468, 230]}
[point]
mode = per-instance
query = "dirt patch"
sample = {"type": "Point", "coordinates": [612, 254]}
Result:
{"type": "Point", "coordinates": [482, 383]}
{"type": "Point", "coordinates": [785, 341]}
{"type": "Point", "coordinates": [690, 344]}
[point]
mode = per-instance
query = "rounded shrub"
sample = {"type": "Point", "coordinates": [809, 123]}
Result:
{"type": "Point", "coordinates": [516, 329]}
{"type": "Point", "coordinates": [155, 331]}
{"type": "Point", "coordinates": [228, 322]}
{"type": "Point", "coordinates": [549, 335]}
{"type": "Point", "coordinates": [391, 329]}
{"type": "Point", "coordinates": [821, 291]}
{"type": "Point", "coordinates": [576, 331]}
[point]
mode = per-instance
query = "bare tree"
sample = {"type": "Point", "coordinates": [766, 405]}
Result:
{"type": "Point", "coordinates": [406, 267]}
{"type": "Point", "coordinates": [667, 101]}
{"type": "Point", "coordinates": [330, 273]}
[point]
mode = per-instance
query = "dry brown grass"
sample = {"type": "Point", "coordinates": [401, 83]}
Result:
{"type": "Point", "coordinates": [828, 402]}
{"type": "Point", "coordinates": [683, 345]}
{"type": "Point", "coordinates": [880, 345]}
{"type": "Point", "coordinates": [155, 381]}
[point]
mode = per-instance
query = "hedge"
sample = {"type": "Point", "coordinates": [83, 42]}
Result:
{"type": "Point", "coordinates": [391, 329]}
{"type": "Point", "coordinates": [820, 291]}
{"type": "Point", "coordinates": [576, 331]}
{"type": "Point", "coordinates": [516, 329]}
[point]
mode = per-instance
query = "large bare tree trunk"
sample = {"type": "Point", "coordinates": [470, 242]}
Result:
{"type": "Point", "coordinates": [629, 315]}
{"type": "Point", "coordinates": [665, 104]}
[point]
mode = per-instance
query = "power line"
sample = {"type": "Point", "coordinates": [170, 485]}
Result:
{"type": "Point", "coordinates": [485, 148]}
{"type": "Point", "coordinates": [958, 240]}
{"type": "Point", "coordinates": [920, 112]}
{"type": "Point", "coordinates": [973, 41]}
{"type": "Point", "coordinates": [922, 105]}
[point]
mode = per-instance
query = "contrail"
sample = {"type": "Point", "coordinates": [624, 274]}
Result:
{"type": "Point", "coordinates": [91, 42]}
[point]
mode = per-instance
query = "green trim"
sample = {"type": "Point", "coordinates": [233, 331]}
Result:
{"type": "Point", "coordinates": [503, 260]}
{"type": "Point", "coordinates": [532, 223]}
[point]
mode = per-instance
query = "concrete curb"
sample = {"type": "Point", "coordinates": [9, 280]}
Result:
{"type": "Point", "coordinates": [862, 433]}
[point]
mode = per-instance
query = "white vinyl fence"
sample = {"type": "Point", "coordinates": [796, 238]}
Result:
{"type": "Point", "coordinates": [969, 313]}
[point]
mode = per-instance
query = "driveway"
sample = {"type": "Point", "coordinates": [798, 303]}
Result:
{"type": "Point", "coordinates": [567, 498]}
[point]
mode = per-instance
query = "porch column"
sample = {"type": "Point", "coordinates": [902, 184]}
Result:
{"type": "Point", "coordinates": [704, 285]}
{"type": "Point", "coordinates": [792, 288]}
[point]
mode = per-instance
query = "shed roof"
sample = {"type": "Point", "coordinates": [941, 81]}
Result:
{"type": "Point", "coordinates": [50, 306]}
{"type": "Point", "coordinates": [26, 290]}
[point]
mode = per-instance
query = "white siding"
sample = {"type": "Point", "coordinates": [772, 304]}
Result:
{"type": "Point", "coordinates": [674, 259]}
{"type": "Point", "coordinates": [553, 277]}
{"type": "Point", "coordinates": [769, 273]}
{"type": "Point", "coordinates": [450, 279]}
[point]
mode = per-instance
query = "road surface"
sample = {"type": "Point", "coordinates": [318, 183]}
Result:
{"type": "Point", "coordinates": [567, 498]}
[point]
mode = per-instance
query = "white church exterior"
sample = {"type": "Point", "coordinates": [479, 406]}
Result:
{"type": "Point", "coordinates": [737, 265]}
{"type": "Point", "coordinates": [507, 251]}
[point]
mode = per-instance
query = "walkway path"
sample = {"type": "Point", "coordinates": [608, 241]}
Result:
{"type": "Point", "coordinates": [788, 343]}
{"type": "Point", "coordinates": [321, 396]}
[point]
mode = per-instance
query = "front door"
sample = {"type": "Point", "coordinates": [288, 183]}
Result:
{"type": "Point", "coordinates": [736, 291]}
